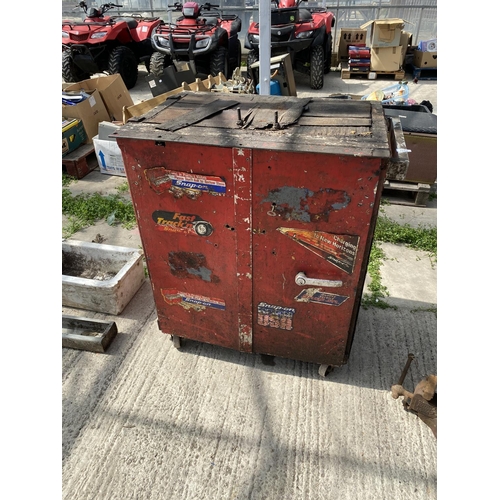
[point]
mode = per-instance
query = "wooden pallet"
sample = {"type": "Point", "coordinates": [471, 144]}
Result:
{"type": "Point", "coordinates": [346, 74]}
{"type": "Point", "coordinates": [406, 193]}
{"type": "Point", "coordinates": [80, 162]}
{"type": "Point", "coordinates": [424, 73]}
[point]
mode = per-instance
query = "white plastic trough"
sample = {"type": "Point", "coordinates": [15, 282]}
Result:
{"type": "Point", "coordinates": [101, 278]}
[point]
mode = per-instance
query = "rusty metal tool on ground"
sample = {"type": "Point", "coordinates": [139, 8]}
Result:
{"type": "Point", "coordinates": [423, 401]}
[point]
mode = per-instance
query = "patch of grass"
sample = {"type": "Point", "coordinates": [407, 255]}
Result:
{"type": "Point", "coordinates": [386, 230]}
{"type": "Point", "coordinates": [123, 188]}
{"type": "Point", "coordinates": [74, 225]}
{"type": "Point", "coordinates": [84, 210]}
{"type": "Point", "coordinates": [419, 238]}
{"type": "Point", "coordinates": [67, 179]}
{"type": "Point", "coordinates": [432, 309]}
{"type": "Point", "coordinates": [377, 291]}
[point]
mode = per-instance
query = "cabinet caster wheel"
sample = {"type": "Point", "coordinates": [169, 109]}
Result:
{"type": "Point", "coordinates": [324, 370]}
{"type": "Point", "coordinates": [176, 341]}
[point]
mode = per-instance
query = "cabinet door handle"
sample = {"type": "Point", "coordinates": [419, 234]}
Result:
{"type": "Point", "coordinates": [301, 279]}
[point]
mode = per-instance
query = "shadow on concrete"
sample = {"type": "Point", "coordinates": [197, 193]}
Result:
{"type": "Point", "coordinates": [382, 341]}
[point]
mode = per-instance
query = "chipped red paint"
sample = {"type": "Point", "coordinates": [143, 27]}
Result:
{"type": "Point", "coordinates": [287, 209]}
{"type": "Point", "coordinates": [242, 178]}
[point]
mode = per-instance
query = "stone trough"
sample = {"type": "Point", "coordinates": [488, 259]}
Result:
{"type": "Point", "coordinates": [101, 278]}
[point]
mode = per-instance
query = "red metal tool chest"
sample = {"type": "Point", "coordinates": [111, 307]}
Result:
{"type": "Point", "coordinates": [256, 215]}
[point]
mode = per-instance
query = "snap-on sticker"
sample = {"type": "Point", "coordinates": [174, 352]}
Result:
{"type": "Point", "coordinates": [191, 301]}
{"type": "Point", "coordinates": [317, 296]}
{"type": "Point", "coordinates": [177, 222]}
{"type": "Point", "coordinates": [337, 249]}
{"type": "Point", "coordinates": [182, 184]}
{"type": "Point", "coordinates": [275, 316]}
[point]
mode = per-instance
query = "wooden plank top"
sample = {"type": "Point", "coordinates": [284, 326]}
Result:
{"type": "Point", "coordinates": [325, 125]}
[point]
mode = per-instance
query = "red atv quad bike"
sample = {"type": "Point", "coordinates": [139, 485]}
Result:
{"type": "Point", "coordinates": [202, 36]}
{"type": "Point", "coordinates": [106, 44]}
{"type": "Point", "coordinates": [305, 34]}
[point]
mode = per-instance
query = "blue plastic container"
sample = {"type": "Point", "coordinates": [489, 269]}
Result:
{"type": "Point", "coordinates": [274, 88]}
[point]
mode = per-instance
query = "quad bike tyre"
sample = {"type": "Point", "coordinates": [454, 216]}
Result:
{"type": "Point", "coordinates": [158, 63]}
{"type": "Point", "coordinates": [237, 64]}
{"type": "Point", "coordinates": [219, 62]}
{"type": "Point", "coordinates": [317, 67]}
{"type": "Point", "coordinates": [328, 54]}
{"type": "Point", "coordinates": [123, 61]}
{"type": "Point", "coordinates": [252, 57]}
{"type": "Point", "coordinates": [71, 73]}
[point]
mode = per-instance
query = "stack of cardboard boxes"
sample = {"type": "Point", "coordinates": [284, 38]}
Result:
{"type": "Point", "coordinates": [387, 43]}
{"type": "Point", "coordinates": [107, 96]}
{"type": "Point", "coordinates": [349, 38]}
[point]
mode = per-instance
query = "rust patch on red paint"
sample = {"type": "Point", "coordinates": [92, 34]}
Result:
{"type": "Point", "coordinates": [305, 205]}
{"type": "Point", "coordinates": [245, 334]}
{"type": "Point", "coordinates": [191, 265]}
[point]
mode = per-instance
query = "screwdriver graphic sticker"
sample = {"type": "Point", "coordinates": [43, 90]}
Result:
{"type": "Point", "coordinates": [337, 249]}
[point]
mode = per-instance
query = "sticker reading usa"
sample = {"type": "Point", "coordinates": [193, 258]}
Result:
{"type": "Point", "coordinates": [275, 316]}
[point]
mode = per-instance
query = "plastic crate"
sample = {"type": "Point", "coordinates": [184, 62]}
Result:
{"type": "Point", "coordinates": [395, 94]}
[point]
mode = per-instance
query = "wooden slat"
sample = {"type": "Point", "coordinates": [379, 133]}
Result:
{"type": "Point", "coordinates": [340, 107]}
{"type": "Point", "coordinates": [348, 121]}
{"type": "Point", "coordinates": [343, 127]}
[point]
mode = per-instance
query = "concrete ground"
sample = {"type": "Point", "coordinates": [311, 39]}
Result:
{"type": "Point", "coordinates": [148, 421]}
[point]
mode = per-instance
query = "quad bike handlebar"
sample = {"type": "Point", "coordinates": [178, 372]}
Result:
{"type": "Point", "coordinates": [206, 6]}
{"type": "Point", "coordinates": [102, 9]}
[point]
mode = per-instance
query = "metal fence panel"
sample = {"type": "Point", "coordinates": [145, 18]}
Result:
{"type": "Point", "coordinates": [420, 15]}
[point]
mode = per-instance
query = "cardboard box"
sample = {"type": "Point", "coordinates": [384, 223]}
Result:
{"type": "Point", "coordinates": [284, 76]}
{"type": "Point", "coordinates": [144, 107]}
{"type": "Point", "coordinates": [385, 32]}
{"type": "Point", "coordinates": [428, 45]}
{"type": "Point", "coordinates": [109, 157]}
{"type": "Point", "coordinates": [73, 134]}
{"type": "Point", "coordinates": [425, 59]}
{"type": "Point", "coordinates": [385, 58]}
{"type": "Point", "coordinates": [106, 129]}
{"type": "Point", "coordinates": [114, 93]}
{"type": "Point", "coordinates": [406, 39]}
{"type": "Point", "coordinates": [91, 111]}
{"type": "Point", "coordinates": [348, 37]}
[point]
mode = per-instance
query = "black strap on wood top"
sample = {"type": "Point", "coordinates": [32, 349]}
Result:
{"type": "Point", "coordinates": [197, 115]}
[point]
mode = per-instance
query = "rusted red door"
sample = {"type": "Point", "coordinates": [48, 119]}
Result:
{"type": "Point", "coordinates": [187, 211]}
{"type": "Point", "coordinates": [311, 225]}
